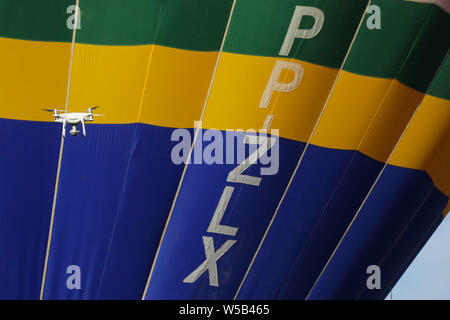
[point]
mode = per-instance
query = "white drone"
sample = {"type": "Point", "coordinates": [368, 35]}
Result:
{"type": "Point", "coordinates": [73, 118]}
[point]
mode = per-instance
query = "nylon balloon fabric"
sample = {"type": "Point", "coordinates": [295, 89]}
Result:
{"type": "Point", "coordinates": [350, 105]}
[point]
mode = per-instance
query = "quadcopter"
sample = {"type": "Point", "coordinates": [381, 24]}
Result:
{"type": "Point", "coordinates": [73, 118]}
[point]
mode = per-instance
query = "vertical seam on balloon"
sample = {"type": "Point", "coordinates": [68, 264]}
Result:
{"type": "Point", "coordinates": [148, 71]}
{"type": "Point", "coordinates": [420, 243]}
{"type": "Point", "coordinates": [190, 151]}
{"type": "Point", "coordinates": [395, 242]}
{"type": "Point", "coordinates": [373, 185]}
{"type": "Point", "coordinates": [354, 153]}
{"type": "Point", "coordinates": [433, 187]}
{"type": "Point", "coordinates": [61, 148]}
{"type": "Point", "coordinates": [392, 81]}
{"type": "Point", "coordinates": [303, 152]}
{"type": "Point", "coordinates": [132, 150]}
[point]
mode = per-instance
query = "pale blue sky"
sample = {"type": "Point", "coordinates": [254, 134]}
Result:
{"type": "Point", "coordinates": [428, 276]}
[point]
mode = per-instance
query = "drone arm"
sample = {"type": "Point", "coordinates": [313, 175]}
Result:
{"type": "Point", "coordinates": [84, 129]}
{"type": "Point", "coordinates": [64, 129]}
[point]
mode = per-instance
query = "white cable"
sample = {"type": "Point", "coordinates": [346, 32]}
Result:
{"type": "Point", "coordinates": [61, 148]}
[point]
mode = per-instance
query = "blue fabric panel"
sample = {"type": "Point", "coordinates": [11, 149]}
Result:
{"type": "Point", "coordinates": [28, 161]}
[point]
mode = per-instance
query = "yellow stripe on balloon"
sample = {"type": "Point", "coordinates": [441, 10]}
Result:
{"type": "Point", "coordinates": [114, 78]}
{"type": "Point", "coordinates": [364, 113]}
{"type": "Point", "coordinates": [33, 75]}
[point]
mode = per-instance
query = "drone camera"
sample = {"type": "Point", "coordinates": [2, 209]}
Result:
{"type": "Point", "coordinates": [74, 131]}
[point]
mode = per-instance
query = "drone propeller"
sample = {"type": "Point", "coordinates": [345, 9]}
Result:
{"type": "Point", "coordinates": [51, 110]}
{"type": "Point", "coordinates": [93, 108]}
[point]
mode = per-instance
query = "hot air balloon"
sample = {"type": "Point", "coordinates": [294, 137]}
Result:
{"type": "Point", "coordinates": [340, 111]}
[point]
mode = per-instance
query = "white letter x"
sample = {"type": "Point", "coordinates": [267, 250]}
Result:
{"type": "Point", "coordinates": [210, 262]}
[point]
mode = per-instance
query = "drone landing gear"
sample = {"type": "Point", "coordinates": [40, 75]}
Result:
{"type": "Point", "coordinates": [74, 131]}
